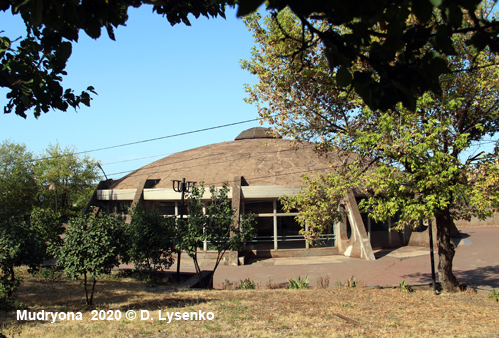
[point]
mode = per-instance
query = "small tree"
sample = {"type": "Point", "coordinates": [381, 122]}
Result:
{"type": "Point", "coordinates": [224, 232]}
{"type": "Point", "coordinates": [150, 237]}
{"type": "Point", "coordinates": [92, 248]}
{"type": "Point", "coordinates": [217, 226]}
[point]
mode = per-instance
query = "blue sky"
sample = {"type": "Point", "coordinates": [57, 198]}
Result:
{"type": "Point", "coordinates": [155, 80]}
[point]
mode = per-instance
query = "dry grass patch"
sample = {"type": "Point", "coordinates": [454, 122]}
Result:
{"type": "Point", "coordinates": [357, 312]}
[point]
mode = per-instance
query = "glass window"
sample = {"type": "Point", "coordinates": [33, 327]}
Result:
{"type": "Point", "coordinates": [166, 208]}
{"type": "Point", "coordinates": [288, 234]}
{"type": "Point", "coordinates": [264, 239]}
{"type": "Point", "coordinates": [259, 207]}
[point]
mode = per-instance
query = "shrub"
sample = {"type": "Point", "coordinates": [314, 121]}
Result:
{"type": "Point", "coordinates": [150, 237]}
{"type": "Point", "coordinates": [494, 295]}
{"type": "Point", "coordinates": [246, 284]}
{"type": "Point", "coordinates": [298, 283]}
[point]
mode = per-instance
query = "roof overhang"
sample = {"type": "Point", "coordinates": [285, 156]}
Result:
{"type": "Point", "coordinates": [168, 194]}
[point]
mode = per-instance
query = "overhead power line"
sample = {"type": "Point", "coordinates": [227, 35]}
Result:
{"type": "Point", "coordinates": [168, 136]}
{"type": "Point", "coordinates": [149, 140]}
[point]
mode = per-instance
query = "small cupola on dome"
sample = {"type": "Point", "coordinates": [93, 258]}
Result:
{"type": "Point", "coordinates": [257, 132]}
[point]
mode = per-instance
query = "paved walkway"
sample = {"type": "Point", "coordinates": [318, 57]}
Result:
{"type": "Point", "coordinates": [476, 263]}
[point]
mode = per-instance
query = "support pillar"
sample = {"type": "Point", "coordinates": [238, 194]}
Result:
{"type": "Point", "coordinates": [358, 245]}
{"type": "Point", "coordinates": [139, 196]}
{"type": "Point", "coordinates": [236, 205]}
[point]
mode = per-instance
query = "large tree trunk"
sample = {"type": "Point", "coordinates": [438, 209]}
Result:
{"type": "Point", "coordinates": [446, 251]}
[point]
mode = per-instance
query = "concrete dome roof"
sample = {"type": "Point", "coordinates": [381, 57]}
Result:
{"type": "Point", "coordinates": [257, 132]}
{"type": "Point", "coordinates": [261, 162]}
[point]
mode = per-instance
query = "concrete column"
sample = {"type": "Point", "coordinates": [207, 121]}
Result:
{"type": "Point", "coordinates": [205, 243]}
{"type": "Point", "coordinates": [236, 205]}
{"type": "Point", "coordinates": [139, 197]}
{"type": "Point", "coordinates": [358, 245]}
{"type": "Point", "coordinates": [274, 219]}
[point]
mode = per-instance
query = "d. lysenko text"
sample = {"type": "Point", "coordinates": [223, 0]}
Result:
{"type": "Point", "coordinates": [170, 316]}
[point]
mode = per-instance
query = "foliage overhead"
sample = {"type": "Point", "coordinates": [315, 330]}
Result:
{"type": "Point", "coordinates": [402, 46]}
{"type": "Point", "coordinates": [386, 36]}
{"type": "Point", "coordinates": [32, 68]}
{"type": "Point", "coordinates": [421, 163]}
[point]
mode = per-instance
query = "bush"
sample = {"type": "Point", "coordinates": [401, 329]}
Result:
{"type": "Point", "coordinates": [150, 238]}
{"type": "Point", "coordinates": [48, 274]}
{"type": "Point", "coordinates": [494, 295]}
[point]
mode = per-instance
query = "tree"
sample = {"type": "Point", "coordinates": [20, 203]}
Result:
{"type": "Point", "coordinates": [214, 223]}
{"type": "Point", "coordinates": [33, 70]}
{"type": "Point", "coordinates": [19, 245]}
{"type": "Point", "coordinates": [18, 186]}
{"type": "Point", "coordinates": [418, 163]}
{"type": "Point", "coordinates": [150, 237]}
{"type": "Point", "coordinates": [92, 248]}
{"type": "Point", "coordinates": [47, 224]}
{"type": "Point", "coordinates": [67, 180]}
{"type": "Point", "coordinates": [404, 44]}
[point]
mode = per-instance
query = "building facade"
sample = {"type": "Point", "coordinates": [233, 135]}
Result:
{"type": "Point", "coordinates": [259, 169]}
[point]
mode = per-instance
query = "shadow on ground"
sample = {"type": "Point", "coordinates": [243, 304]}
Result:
{"type": "Point", "coordinates": [488, 276]}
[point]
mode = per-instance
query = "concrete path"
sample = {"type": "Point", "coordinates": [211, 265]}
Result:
{"type": "Point", "coordinates": [476, 263]}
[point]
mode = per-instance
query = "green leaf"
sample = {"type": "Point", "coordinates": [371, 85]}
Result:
{"type": "Point", "coordinates": [443, 40]}
{"type": "Point", "coordinates": [423, 9]}
{"type": "Point", "coordinates": [435, 3]}
{"type": "Point", "coordinates": [246, 7]}
{"type": "Point", "coordinates": [476, 42]}
{"type": "Point", "coordinates": [343, 77]}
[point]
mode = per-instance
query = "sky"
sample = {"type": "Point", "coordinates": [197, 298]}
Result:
{"type": "Point", "coordinates": [154, 81]}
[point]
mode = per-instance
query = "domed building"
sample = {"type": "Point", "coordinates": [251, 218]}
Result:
{"type": "Point", "coordinates": [259, 169]}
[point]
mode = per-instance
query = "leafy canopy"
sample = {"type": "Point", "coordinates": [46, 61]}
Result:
{"type": "Point", "coordinates": [66, 179]}
{"type": "Point", "coordinates": [18, 186]}
{"type": "Point", "coordinates": [404, 45]}
{"type": "Point", "coordinates": [19, 245]}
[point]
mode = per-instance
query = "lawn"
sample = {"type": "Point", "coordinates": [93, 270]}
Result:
{"type": "Point", "coordinates": [332, 312]}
